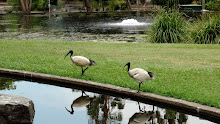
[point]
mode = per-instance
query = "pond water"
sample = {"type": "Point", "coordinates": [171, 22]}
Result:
{"type": "Point", "coordinates": [53, 106]}
{"type": "Point", "coordinates": [94, 27]}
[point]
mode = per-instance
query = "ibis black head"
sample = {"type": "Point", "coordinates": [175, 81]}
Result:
{"type": "Point", "coordinates": [70, 52]}
{"type": "Point", "coordinates": [92, 62]}
{"type": "Point", "coordinates": [72, 111]}
{"type": "Point", "coordinates": [127, 64]}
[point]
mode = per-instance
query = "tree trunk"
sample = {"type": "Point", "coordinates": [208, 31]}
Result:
{"type": "Point", "coordinates": [26, 6]}
{"type": "Point", "coordinates": [88, 5]}
{"type": "Point", "coordinates": [128, 5]}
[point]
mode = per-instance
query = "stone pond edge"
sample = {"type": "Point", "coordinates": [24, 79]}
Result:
{"type": "Point", "coordinates": [196, 108]}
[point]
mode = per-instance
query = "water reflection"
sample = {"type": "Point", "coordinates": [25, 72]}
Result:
{"type": "Point", "coordinates": [7, 84]}
{"type": "Point", "coordinates": [52, 106]}
{"type": "Point", "coordinates": [25, 22]}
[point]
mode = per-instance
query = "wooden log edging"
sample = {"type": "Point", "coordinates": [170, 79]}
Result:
{"type": "Point", "coordinates": [207, 112]}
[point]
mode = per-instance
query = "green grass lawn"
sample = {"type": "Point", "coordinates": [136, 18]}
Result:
{"type": "Point", "coordinates": [186, 71]}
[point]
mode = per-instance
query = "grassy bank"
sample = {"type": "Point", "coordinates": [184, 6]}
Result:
{"type": "Point", "coordinates": [187, 71]}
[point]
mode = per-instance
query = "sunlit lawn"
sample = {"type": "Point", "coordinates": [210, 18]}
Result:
{"type": "Point", "coordinates": [187, 71]}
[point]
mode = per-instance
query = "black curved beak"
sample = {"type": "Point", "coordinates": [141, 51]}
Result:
{"type": "Point", "coordinates": [66, 54]}
{"type": "Point", "coordinates": [71, 112]}
{"type": "Point", "coordinates": [127, 64]}
{"type": "Point", "coordinates": [70, 52]}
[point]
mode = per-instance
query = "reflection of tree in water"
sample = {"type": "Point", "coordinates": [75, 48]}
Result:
{"type": "Point", "coordinates": [170, 117]}
{"type": "Point", "coordinates": [174, 117]}
{"type": "Point", "coordinates": [7, 84]}
{"type": "Point", "coordinates": [25, 22]}
{"type": "Point", "coordinates": [2, 25]}
{"type": "Point", "coordinates": [105, 109]}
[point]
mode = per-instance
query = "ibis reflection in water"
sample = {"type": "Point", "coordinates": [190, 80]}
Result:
{"type": "Point", "coordinates": [81, 61]}
{"type": "Point", "coordinates": [82, 101]}
{"type": "Point", "coordinates": [142, 117]}
{"type": "Point", "coordinates": [140, 75]}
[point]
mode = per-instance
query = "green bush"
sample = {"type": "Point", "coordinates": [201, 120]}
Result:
{"type": "Point", "coordinates": [168, 3]}
{"type": "Point", "coordinates": [185, 1]}
{"type": "Point", "coordinates": [37, 5]}
{"type": "Point", "coordinates": [169, 27]}
{"type": "Point", "coordinates": [40, 5]}
{"type": "Point", "coordinates": [15, 4]}
{"type": "Point", "coordinates": [205, 31]}
{"type": "Point", "coordinates": [213, 5]}
{"type": "Point", "coordinates": [116, 5]}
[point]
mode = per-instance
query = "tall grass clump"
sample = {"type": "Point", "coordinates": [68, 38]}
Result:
{"type": "Point", "coordinates": [205, 31]}
{"type": "Point", "coordinates": [168, 27]}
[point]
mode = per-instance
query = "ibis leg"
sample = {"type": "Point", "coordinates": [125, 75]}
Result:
{"type": "Point", "coordinates": [83, 71]}
{"type": "Point", "coordinates": [139, 87]}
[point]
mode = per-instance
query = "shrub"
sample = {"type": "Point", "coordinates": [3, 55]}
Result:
{"type": "Point", "coordinates": [37, 5]}
{"type": "Point", "coordinates": [168, 3]}
{"type": "Point", "coordinates": [15, 4]}
{"type": "Point", "coordinates": [185, 1]}
{"type": "Point", "coordinates": [213, 5]}
{"type": "Point", "coordinates": [116, 5]}
{"type": "Point", "coordinates": [169, 27]}
{"type": "Point", "coordinates": [40, 5]}
{"type": "Point", "coordinates": [205, 31]}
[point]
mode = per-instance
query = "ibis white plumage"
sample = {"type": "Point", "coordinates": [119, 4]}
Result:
{"type": "Point", "coordinates": [81, 61]}
{"type": "Point", "coordinates": [140, 75]}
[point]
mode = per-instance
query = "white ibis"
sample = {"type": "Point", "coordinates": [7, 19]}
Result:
{"type": "Point", "coordinates": [140, 75]}
{"type": "Point", "coordinates": [81, 61]}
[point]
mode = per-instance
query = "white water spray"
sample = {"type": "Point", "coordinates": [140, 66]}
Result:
{"type": "Point", "coordinates": [130, 22]}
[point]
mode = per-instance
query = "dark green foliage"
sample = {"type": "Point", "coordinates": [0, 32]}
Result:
{"type": "Point", "coordinates": [185, 1]}
{"type": "Point", "coordinates": [116, 5]}
{"type": "Point", "coordinates": [168, 27]}
{"type": "Point", "coordinates": [15, 4]}
{"type": "Point", "coordinates": [213, 5]}
{"type": "Point", "coordinates": [168, 3]}
{"type": "Point", "coordinates": [205, 31]}
{"type": "Point", "coordinates": [38, 5]}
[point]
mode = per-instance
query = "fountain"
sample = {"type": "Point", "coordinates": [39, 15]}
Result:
{"type": "Point", "coordinates": [130, 22]}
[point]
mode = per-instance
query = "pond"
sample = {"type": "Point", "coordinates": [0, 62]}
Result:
{"type": "Point", "coordinates": [93, 27]}
{"type": "Point", "coordinates": [53, 106]}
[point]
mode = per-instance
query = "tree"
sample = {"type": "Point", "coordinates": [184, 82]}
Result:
{"type": "Point", "coordinates": [25, 6]}
{"type": "Point", "coordinates": [88, 4]}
